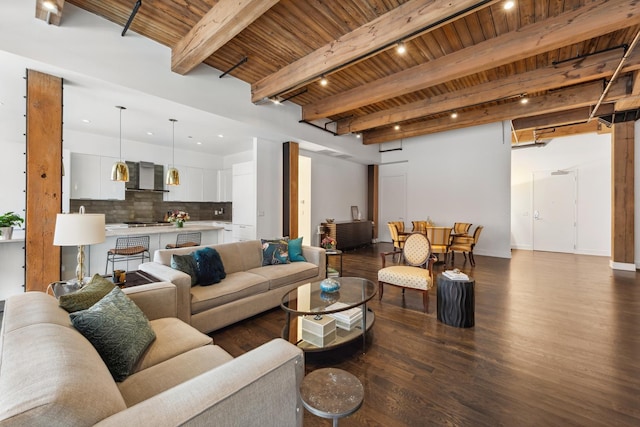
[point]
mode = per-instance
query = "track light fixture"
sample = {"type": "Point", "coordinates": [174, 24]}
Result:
{"type": "Point", "coordinates": [401, 48]}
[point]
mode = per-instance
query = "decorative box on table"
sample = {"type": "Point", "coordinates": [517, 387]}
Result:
{"type": "Point", "coordinates": [347, 319]}
{"type": "Point", "coordinates": [319, 332]}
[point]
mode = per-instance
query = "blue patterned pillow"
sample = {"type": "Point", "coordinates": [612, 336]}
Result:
{"type": "Point", "coordinates": [118, 330]}
{"type": "Point", "coordinates": [187, 264]}
{"type": "Point", "coordinates": [210, 269]}
{"type": "Point", "coordinates": [295, 250]}
{"type": "Point", "coordinates": [275, 252]}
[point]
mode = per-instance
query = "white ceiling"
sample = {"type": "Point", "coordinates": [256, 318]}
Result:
{"type": "Point", "coordinates": [89, 99]}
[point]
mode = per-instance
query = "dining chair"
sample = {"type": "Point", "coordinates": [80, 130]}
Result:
{"type": "Point", "coordinates": [461, 228]}
{"type": "Point", "coordinates": [465, 244]}
{"type": "Point", "coordinates": [419, 226]}
{"type": "Point", "coordinates": [128, 248]}
{"type": "Point", "coordinates": [184, 240]}
{"type": "Point", "coordinates": [440, 238]}
{"type": "Point", "coordinates": [415, 272]}
{"type": "Point", "coordinates": [397, 239]}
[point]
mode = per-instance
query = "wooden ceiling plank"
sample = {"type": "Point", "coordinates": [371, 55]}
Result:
{"type": "Point", "coordinates": [553, 33]}
{"type": "Point", "coordinates": [633, 100]}
{"type": "Point", "coordinates": [560, 100]}
{"type": "Point", "coordinates": [223, 22]}
{"type": "Point", "coordinates": [48, 16]}
{"type": "Point", "coordinates": [575, 115]}
{"type": "Point", "coordinates": [581, 70]}
{"type": "Point", "coordinates": [395, 25]}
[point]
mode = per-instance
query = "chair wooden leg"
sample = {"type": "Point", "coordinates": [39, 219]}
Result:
{"type": "Point", "coordinates": [472, 259]}
{"type": "Point", "coordinates": [425, 300]}
{"type": "Point", "coordinates": [380, 290]}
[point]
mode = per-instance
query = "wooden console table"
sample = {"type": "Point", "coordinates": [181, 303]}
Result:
{"type": "Point", "coordinates": [349, 234]}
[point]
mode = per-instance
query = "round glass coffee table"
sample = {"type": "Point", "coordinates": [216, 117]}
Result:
{"type": "Point", "coordinates": [319, 321]}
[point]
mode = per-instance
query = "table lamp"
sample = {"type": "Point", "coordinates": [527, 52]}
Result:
{"type": "Point", "coordinates": [79, 230]}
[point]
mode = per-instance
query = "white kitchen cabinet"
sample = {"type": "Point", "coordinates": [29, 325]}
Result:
{"type": "Point", "coordinates": [243, 232]}
{"type": "Point", "coordinates": [210, 185]}
{"type": "Point", "coordinates": [91, 178]}
{"type": "Point", "coordinates": [194, 187]}
{"type": "Point", "coordinates": [178, 193]}
{"type": "Point", "coordinates": [244, 201]}
{"type": "Point", "coordinates": [225, 185]}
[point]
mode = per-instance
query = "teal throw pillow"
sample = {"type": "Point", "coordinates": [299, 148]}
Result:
{"type": "Point", "coordinates": [187, 264]}
{"type": "Point", "coordinates": [209, 266]}
{"type": "Point", "coordinates": [275, 252]}
{"type": "Point", "coordinates": [88, 295]}
{"type": "Point", "coordinates": [118, 330]}
{"type": "Point", "coordinates": [295, 250]}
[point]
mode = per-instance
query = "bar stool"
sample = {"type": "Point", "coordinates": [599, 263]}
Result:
{"type": "Point", "coordinates": [128, 248]}
{"type": "Point", "coordinates": [184, 240]}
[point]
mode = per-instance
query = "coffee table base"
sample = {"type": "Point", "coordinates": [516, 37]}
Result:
{"type": "Point", "coordinates": [331, 393]}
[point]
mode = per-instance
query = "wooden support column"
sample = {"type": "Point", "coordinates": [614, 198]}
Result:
{"type": "Point", "coordinates": [290, 152]}
{"type": "Point", "coordinates": [372, 197]}
{"type": "Point", "coordinates": [44, 179]}
{"type": "Point", "coordinates": [622, 194]}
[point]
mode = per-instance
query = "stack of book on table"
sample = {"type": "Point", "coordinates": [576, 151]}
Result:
{"type": "Point", "coordinates": [455, 275]}
{"type": "Point", "coordinates": [332, 272]}
{"type": "Point", "coordinates": [347, 319]}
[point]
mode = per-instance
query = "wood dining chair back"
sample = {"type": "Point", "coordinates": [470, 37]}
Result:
{"type": "Point", "coordinates": [415, 271]}
{"type": "Point", "coordinates": [461, 227]}
{"type": "Point", "coordinates": [440, 238]}
{"type": "Point", "coordinates": [465, 244]}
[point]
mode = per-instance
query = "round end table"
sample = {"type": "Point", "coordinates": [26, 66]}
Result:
{"type": "Point", "coordinates": [331, 393]}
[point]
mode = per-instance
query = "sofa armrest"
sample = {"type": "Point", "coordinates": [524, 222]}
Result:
{"type": "Point", "coordinates": [178, 278]}
{"type": "Point", "coordinates": [259, 388]}
{"type": "Point", "coordinates": [156, 300]}
{"type": "Point", "coordinates": [316, 256]}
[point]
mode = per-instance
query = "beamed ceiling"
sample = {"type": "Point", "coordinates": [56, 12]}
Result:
{"type": "Point", "coordinates": [573, 60]}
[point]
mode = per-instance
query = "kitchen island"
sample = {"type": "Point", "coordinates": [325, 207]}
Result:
{"type": "Point", "coordinates": [160, 236]}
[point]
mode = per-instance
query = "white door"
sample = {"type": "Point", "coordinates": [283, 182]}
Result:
{"type": "Point", "coordinates": [554, 211]}
{"type": "Point", "coordinates": [393, 203]}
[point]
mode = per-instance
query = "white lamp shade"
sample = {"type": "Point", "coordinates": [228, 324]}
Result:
{"type": "Point", "coordinates": [79, 229]}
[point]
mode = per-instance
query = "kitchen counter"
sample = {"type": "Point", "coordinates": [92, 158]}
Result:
{"type": "Point", "coordinates": [123, 230]}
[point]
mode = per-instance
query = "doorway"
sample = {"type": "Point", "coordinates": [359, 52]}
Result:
{"type": "Point", "coordinates": [554, 211]}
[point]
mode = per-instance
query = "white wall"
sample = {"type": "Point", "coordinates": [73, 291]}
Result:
{"type": "Point", "coordinates": [460, 176]}
{"type": "Point", "coordinates": [269, 189]}
{"type": "Point", "coordinates": [589, 155]}
{"type": "Point", "coordinates": [336, 185]}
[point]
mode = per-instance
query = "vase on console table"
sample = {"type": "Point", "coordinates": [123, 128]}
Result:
{"type": "Point", "coordinates": [179, 224]}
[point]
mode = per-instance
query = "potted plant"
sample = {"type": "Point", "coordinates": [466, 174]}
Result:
{"type": "Point", "coordinates": [7, 222]}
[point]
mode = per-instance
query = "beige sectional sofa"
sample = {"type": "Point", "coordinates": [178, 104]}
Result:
{"type": "Point", "coordinates": [248, 289]}
{"type": "Point", "coordinates": [50, 375]}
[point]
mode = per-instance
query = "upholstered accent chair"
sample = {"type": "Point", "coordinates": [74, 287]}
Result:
{"type": "Point", "coordinates": [397, 239]}
{"type": "Point", "coordinates": [465, 244]}
{"type": "Point", "coordinates": [415, 272]}
{"type": "Point", "coordinates": [461, 227]}
{"type": "Point", "coordinates": [440, 238]}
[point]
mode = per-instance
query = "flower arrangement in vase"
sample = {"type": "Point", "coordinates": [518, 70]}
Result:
{"type": "Point", "coordinates": [328, 243]}
{"type": "Point", "coordinates": [179, 217]}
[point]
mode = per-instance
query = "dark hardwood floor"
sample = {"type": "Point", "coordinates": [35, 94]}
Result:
{"type": "Point", "coordinates": [556, 342]}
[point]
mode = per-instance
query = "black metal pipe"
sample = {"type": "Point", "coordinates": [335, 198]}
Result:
{"type": "Point", "coordinates": [242, 61]}
{"type": "Point", "coordinates": [133, 14]}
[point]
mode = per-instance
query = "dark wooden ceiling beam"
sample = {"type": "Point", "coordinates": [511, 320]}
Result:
{"type": "Point", "coordinates": [383, 32]}
{"type": "Point", "coordinates": [575, 115]}
{"type": "Point", "coordinates": [530, 135]}
{"type": "Point", "coordinates": [562, 99]}
{"type": "Point", "coordinates": [223, 22]}
{"type": "Point", "coordinates": [553, 33]}
{"type": "Point", "coordinates": [46, 14]}
{"type": "Point", "coordinates": [568, 73]}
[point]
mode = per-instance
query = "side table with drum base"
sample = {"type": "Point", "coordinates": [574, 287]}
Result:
{"type": "Point", "coordinates": [456, 302]}
{"type": "Point", "coordinates": [331, 393]}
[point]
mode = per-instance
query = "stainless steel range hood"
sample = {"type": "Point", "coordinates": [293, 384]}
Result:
{"type": "Point", "coordinates": [145, 176]}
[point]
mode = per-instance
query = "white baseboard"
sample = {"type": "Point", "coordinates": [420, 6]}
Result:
{"type": "Point", "coordinates": [624, 266]}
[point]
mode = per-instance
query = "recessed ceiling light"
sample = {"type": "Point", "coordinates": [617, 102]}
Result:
{"type": "Point", "coordinates": [199, 143]}
{"type": "Point", "coordinates": [86, 121]}
{"type": "Point", "coordinates": [401, 48]}
{"type": "Point", "coordinates": [50, 6]}
{"type": "Point", "coordinates": [275, 101]}
{"type": "Point", "coordinates": [358, 135]}
{"type": "Point", "coordinates": [220, 135]}
{"type": "Point", "coordinates": [509, 4]}
{"type": "Point", "coordinates": [149, 132]}
{"type": "Point", "coordinates": [324, 81]}
{"type": "Point", "coordinates": [454, 115]}
{"type": "Point", "coordinates": [397, 127]}
{"type": "Point", "coordinates": [524, 100]}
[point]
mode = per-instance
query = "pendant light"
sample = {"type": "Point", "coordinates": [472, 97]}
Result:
{"type": "Point", "coordinates": [173, 176]}
{"type": "Point", "coordinates": [120, 170]}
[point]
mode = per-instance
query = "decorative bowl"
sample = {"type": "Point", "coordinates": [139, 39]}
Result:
{"type": "Point", "coordinates": [329, 285]}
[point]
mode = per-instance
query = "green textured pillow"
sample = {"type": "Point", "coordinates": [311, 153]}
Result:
{"type": "Point", "coordinates": [90, 294]}
{"type": "Point", "coordinates": [295, 250]}
{"type": "Point", "coordinates": [118, 330]}
{"type": "Point", "coordinates": [275, 251]}
{"type": "Point", "coordinates": [187, 264]}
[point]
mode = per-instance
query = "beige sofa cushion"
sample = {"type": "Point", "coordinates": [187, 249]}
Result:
{"type": "Point", "coordinates": [286, 274]}
{"type": "Point", "coordinates": [32, 308]}
{"type": "Point", "coordinates": [156, 379]}
{"type": "Point", "coordinates": [173, 337]}
{"type": "Point", "coordinates": [234, 287]}
{"type": "Point", "coordinates": [67, 381]}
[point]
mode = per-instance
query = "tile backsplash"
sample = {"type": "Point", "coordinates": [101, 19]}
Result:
{"type": "Point", "coordinates": [149, 206]}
